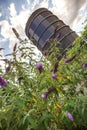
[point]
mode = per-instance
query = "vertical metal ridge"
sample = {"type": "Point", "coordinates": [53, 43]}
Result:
{"type": "Point", "coordinates": [48, 27]}
{"type": "Point", "coordinates": [32, 17]}
{"type": "Point", "coordinates": [42, 22]}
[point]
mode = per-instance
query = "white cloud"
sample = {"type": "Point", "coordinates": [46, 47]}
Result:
{"type": "Point", "coordinates": [2, 41]}
{"type": "Point", "coordinates": [20, 19]}
{"type": "Point", "coordinates": [78, 23]}
{"type": "Point", "coordinates": [12, 10]}
{"type": "Point", "coordinates": [7, 33]}
{"type": "Point", "coordinates": [68, 10]}
{"type": "Point", "coordinates": [28, 1]}
{"type": "Point", "coordinates": [17, 21]}
{"type": "Point", "coordinates": [36, 4]}
{"type": "Point", "coordinates": [2, 63]}
{"type": "Point", "coordinates": [5, 29]}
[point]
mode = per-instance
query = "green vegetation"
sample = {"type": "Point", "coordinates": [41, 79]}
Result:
{"type": "Point", "coordinates": [44, 93]}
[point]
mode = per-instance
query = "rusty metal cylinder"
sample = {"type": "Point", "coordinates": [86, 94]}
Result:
{"type": "Point", "coordinates": [43, 24]}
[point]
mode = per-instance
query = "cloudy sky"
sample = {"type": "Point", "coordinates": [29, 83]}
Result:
{"type": "Point", "coordinates": [14, 13]}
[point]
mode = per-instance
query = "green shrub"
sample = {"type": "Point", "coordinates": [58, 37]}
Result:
{"type": "Point", "coordinates": [47, 96]}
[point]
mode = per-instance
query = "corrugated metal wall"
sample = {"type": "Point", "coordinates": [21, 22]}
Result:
{"type": "Point", "coordinates": [43, 25]}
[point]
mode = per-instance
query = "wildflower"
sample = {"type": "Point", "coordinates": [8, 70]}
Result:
{"type": "Point", "coordinates": [3, 82]}
{"type": "Point", "coordinates": [7, 69]}
{"type": "Point", "coordinates": [44, 95]}
{"type": "Point", "coordinates": [70, 116]}
{"type": "Point", "coordinates": [68, 77]}
{"type": "Point", "coordinates": [85, 65]}
{"type": "Point", "coordinates": [58, 35]}
{"type": "Point", "coordinates": [39, 65]}
{"type": "Point", "coordinates": [51, 70]}
{"type": "Point", "coordinates": [54, 76]}
{"type": "Point", "coordinates": [70, 59]}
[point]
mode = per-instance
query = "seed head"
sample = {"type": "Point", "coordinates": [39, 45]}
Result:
{"type": "Point", "coordinates": [44, 95]}
{"type": "Point", "coordinates": [58, 35]}
{"type": "Point", "coordinates": [54, 76]}
{"type": "Point", "coordinates": [70, 116]}
{"type": "Point", "coordinates": [7, 69]}
{"type": "Point", "coordinates": [39, 65]}
{"type": "Point", "coordinates": [85, 65]}
{"type": "Point", "coordinates": [3, 82]}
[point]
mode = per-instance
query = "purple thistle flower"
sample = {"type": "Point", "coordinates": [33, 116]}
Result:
{"type": "Point", "coordinates": [44, 95]}
{"type": "Point", "coordinates": [3, 82]}
{"type": "Point", "coordinates": [70, 59]}
{"type": "Point", "coordinates": [85, 65]}
{"type": "Point", "coordinates": [51, 70]}
{"type": "Point", "coordinates": [70, 116]}
{"type": "Point", "coordinates": [54, 76]}
{"type": "Point", "coordinates": [39, 65]}
{"type": "Point", "coordinates": [7, 69]}
{"type": "Point", "coordinates": [58, 35]}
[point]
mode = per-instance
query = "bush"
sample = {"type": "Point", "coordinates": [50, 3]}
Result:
{"type": "Point", "coordinates": [44, 93]}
